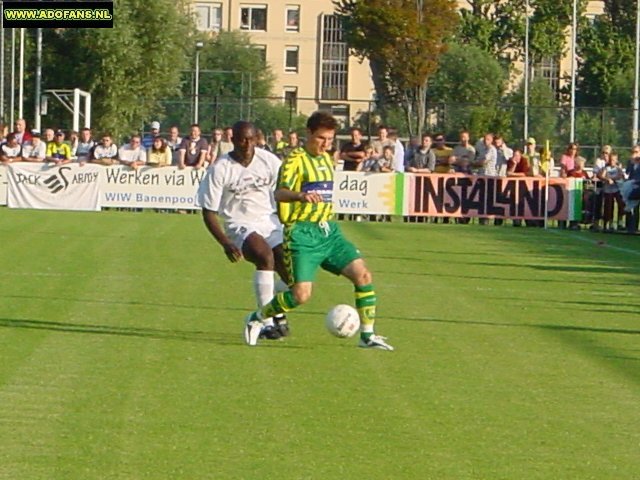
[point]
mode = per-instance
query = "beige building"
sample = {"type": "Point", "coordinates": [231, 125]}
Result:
{"type": "Point", "coordinates": [302, 41]}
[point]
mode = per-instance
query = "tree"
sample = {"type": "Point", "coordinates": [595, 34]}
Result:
{"type": "Point", "coordinates": [129, 69]}
{"type": "Point", "coordinates": [471, 82]}
{"type": "Point", "coordinates": [498, 27]}
{"type": "Point", "coordinates": [403, 40]}
{"type": "Point", "coordinates": [543, 112]}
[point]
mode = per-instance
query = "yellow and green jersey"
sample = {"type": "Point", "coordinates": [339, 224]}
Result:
{"type": "Point", "coordinates": [300, 172]}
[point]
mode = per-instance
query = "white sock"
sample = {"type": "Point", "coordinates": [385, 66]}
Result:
{"type": "Point", "coordinates": [263, 288]}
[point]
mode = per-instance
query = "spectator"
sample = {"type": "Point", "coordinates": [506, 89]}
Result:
{"type": "Point", "coordinates": [398, 151]}
{"type": "Point", "coordinates": [10, 151]}
{"type": "Point", "coordinates": [442, 153]}
{"type": "Point", "coordinates": [486, 157]}
{"type": "Point", "coordinates": [504, 154]}
{"type": "Point", "coordinates": [73, 142]}
{"type": "Point", "coordinates": [20, 131]}
{"type": "Point", "coordinates": [213, 151]}
{"type": "Point", "coordinates": [159, 155]}
{"type": "Point", "coordinates": [423, 160]}
{"type": "Point", "coordinates": [4, 131]}
{"type": "Point", "coordinates": [147, 140]}
{"type": "Point", "coordinates": [599, 164]}
{"type": "Point", "coordinates": [353, 153]}
{"type": "Point", "coordinates": [133, 153]}
{"type": "Point", "coordinates": [388, 160]}
{"type": "Point", "coordinates": [294, 143]}
{"type": "Point", "coordinates": [105, 153]}
{"type": "Point", "coordinates": [414, 144]}
{"type": "Point", "coordinates": [463, 165]}
{"type": "Point", "coordinates": [35, 150]}
{"type": "Point", "coordinates": [370, 162]}
{"type": "Point", "coordinates": [533, 157]}
{"type": "Point", "coordinates": [193, 150]}
{"type": "Point", "coordinates": [631, 190]}
{"type": "Point", "coordinates": [518, 165]}
{"type": "Point", "coordinates": [173, 143]}
{"type": "Point", "coordinates": [49, 135]}
{"type": "Point", "coordinates": [226, 145]}
{"type": "Point", "coordinates": [84, 146]}
{"type": "Point", "coordinates": [382, 141]}
{"type": "Point", "coordinates": [578, 170]}
{"type": "Point", "coordinates": [58, 151]}
{"type": "Point", "coordinates": [279, 144]}
{"type": "Point", "coordinates": [464, 148]}
{"type": "Point", "coordinates": [611, 175]}
{"type": "Point", "coordinates": [568, 159]}
{"type": "Point", "coordinates": [261, 141]}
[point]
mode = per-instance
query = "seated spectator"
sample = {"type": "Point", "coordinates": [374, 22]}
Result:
{"type": "Point", "coordinates": [370, 163]}
{"type": "Point", "coordinates": [353, 153]}
{"type": "Point", "coordinates": [422, 159]}
{"type": "Point", "coordinates": [58, 151]}
{"type": "Point", "coordinates": [10, 151]}
{"type": "Point", "coordinates": [261, 140]}
{"type": "Point", "coordinates": [35, 150]}
{"type": "Point", "coordinates": [133, 154]}
{"type": "Point", "coordinates": [388, 159]}
{"type": "Point", "coordinates": [518, 165]}
{"type": "Point", "coordinates": [463, 165]}
{"type": "Point", "coordinates": [173, 142]}
{"type": "Point", "coordinates": [193, 149]}
{"type": "Point", "coordinates": [84, 146]}
{"type": "Point", "coordinates": [20, 131]}
{"type": "Point", "coordinates": [159, 155]}
{"type": "Point", "coordinates": [147, 140]}
{"type": "Point", "coordinates": [578, 170]}
{"type": "Point", "coordinates": [612, 176]}
{"type": "Point", "coordinates": [106, 152]}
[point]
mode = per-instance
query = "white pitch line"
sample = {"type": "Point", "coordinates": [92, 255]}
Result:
{"type": "Point", "coordinates": [592, 242]}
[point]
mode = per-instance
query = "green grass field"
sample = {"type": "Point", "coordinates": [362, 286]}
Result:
{"type": "Point", "coordinates": [121, 357]}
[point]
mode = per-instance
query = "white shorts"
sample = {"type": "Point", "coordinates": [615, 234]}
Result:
{"type": "Point", "coordinates": [268, 228]}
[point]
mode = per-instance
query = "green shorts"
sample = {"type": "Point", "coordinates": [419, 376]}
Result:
{"type": "Point", "coordinates": [308, 246]}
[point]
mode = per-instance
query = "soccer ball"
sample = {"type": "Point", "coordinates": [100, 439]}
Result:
{"type": "Point", "coordinates": [342, 321]}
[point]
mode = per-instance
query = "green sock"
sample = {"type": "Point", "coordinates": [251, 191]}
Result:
{"type": "Point", "coordinates": [283, 302]}
{"type": "Point", "coordinates": [366, 305]}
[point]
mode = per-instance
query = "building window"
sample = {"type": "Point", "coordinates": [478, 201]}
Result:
{"type": "Point", "coordinates": [291, 98]}
{"type": "Point", "coordinates": [291, 57]}
{"type": "Point", "coordinates": [253, 18]}
{"type": "Point", "coordinates": [293, 18]}
{"type": "Point", "coordinates": [549, 69]}
{"type": "Point", "coordinates": [262, 50]}
{"type": "Point", "coordinates": [335, 60]}
{"type": "Point", "coordinates": [208, 16]}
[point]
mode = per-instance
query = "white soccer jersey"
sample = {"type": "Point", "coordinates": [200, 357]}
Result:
{"type": "Point", "coordinates": [241, 195]}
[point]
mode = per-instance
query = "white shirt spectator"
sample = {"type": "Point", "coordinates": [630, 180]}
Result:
{"type": "Point", "coordinates": [38, 151]}
{"type": "Point", "coordinates": [398, 157]}
{"type": "Point", "coordinates": [11, 152]}
{"type": "Point", "coordinates": [84, 149]}
{"type": "Point", "coordinates": [105, 152]}
{"type": "Point", "coordinates": [129, 154]}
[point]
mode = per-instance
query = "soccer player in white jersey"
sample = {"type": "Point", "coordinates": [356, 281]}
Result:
{"type": "Point", "coordinates": [239, 188]}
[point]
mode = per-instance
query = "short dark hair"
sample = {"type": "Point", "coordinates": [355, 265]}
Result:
{"type": "Point", "coordinates": [241, 125]}
{"type": "Point", "coordinates": [319, 120]}
{"type": "Point", "coordinates": [356, 129]}
{"type": "Point", "coordinates": [195, 125]}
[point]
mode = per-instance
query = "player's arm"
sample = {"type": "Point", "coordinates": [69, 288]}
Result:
{"type": "Point", "coordinates": [288, 186]}
{"type": "Point", "coordinates": [212, 223]}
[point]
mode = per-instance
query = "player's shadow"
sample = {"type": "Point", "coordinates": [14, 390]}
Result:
{"type": "Point", "coordinates": [140, 332]}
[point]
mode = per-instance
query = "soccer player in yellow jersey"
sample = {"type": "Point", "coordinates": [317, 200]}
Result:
{"type": "Point", "coordinates": [311, 239]}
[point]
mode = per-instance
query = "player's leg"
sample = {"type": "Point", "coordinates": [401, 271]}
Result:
{"type": "Point", "coordinates": [281, 285]}
{"type": "Point", "coordinates": [345, 259]}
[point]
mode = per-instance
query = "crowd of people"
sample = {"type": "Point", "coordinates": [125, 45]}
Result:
{"type": "Point", "coordinates": [610, 196]}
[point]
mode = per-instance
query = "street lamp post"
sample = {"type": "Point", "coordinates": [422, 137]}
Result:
{"type": "Point", "coordinates": [196, 100]}
{"type": "Point", "coordinates": [526, 71]}
{"type": "Point", "coordinates": [574, 39]}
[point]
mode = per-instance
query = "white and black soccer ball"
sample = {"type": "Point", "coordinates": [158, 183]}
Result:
{"type": "Point", "coordinates": [342, 321]}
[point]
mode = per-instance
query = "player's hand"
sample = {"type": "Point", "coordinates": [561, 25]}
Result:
{"type": "Point", "coordinates": [232, 252]}
{"type": "Point", "coordinates": [311, 197]}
